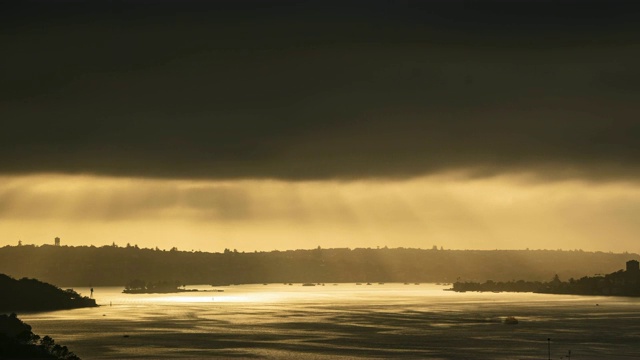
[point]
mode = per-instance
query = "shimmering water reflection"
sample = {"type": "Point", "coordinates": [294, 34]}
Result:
{"type": "Point", "coordinates": [345, 321]}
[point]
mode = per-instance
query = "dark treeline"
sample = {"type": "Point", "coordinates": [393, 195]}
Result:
{"type": "Point", "coordinates": [33, 295]}
{"type": "Point", "coordinates": [18, 342]}
{"type": "Point", "coordinates": [621, 283]}
{"type": "Point", "coordinates": [116, 266]}
{"type": "Point", "coordinates": [137, 286]}
{"type": "Point", "coordinates": [499, 286]}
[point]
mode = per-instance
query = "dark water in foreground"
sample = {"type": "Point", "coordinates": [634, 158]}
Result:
{"type": "Point", "coordinates": [345, 321]}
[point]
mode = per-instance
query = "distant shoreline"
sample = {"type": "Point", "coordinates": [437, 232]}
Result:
{"type": "Point", "coordinates": [619, 283]}
{"type": "Point", "coordinates": [173, 291]}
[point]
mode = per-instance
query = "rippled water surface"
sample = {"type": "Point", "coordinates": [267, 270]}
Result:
{"type": "Point", "coordinates": [345, 321]}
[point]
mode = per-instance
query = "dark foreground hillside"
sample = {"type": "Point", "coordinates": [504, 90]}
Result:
{"type": "Point", "coordinates": [33, 295]}
{"type": "Point", "coordinates": [18, 342]}
{"type": "Point", "coordinates": [112, 265]}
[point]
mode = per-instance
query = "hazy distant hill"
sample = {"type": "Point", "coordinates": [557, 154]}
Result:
{"type": "Point", "coordinates": [110, 265]}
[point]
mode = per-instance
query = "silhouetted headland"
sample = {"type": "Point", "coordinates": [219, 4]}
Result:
{"type": "Point", "coordinates": [18, 342]}
{"type": "Point", "coordinates": [33, 295]}
{"type": "Point", "coordinates": [620, 283]}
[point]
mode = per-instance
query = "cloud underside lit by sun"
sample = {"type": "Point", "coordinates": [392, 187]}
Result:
{"type": "Point", "coordinates": [454, 212]}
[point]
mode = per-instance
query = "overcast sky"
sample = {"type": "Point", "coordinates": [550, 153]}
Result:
{"type": "Point", "coordinates": [285, 124]}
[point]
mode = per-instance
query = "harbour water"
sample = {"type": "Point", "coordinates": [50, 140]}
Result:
{"type": "Point", "coordinates": [345, 321]}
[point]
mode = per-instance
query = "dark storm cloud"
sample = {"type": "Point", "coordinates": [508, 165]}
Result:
{"type": "Point", "coordinates": [314, 90]}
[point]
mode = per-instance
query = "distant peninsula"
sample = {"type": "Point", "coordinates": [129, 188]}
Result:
{"type": "Point", "coordinates": [34, 295]}
{"type": "Point", "coordinates": [138, 286]}
{"type": "Point", "coordinates": [619, 283]}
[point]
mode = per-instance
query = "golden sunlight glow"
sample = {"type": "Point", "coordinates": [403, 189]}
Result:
{"type": "Point", "coordinates": [449, 211]}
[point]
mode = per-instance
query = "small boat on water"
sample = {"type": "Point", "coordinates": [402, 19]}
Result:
{"type": "Point", "coordinates": [510, 320]}
{"type": "Point", "coordinates": [308, 284]}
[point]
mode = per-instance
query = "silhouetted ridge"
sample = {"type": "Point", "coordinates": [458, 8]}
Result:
{"type": "Point", "coordinates": [116, 266]}
{"type": "Point", "coordinates": [33, 295]}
